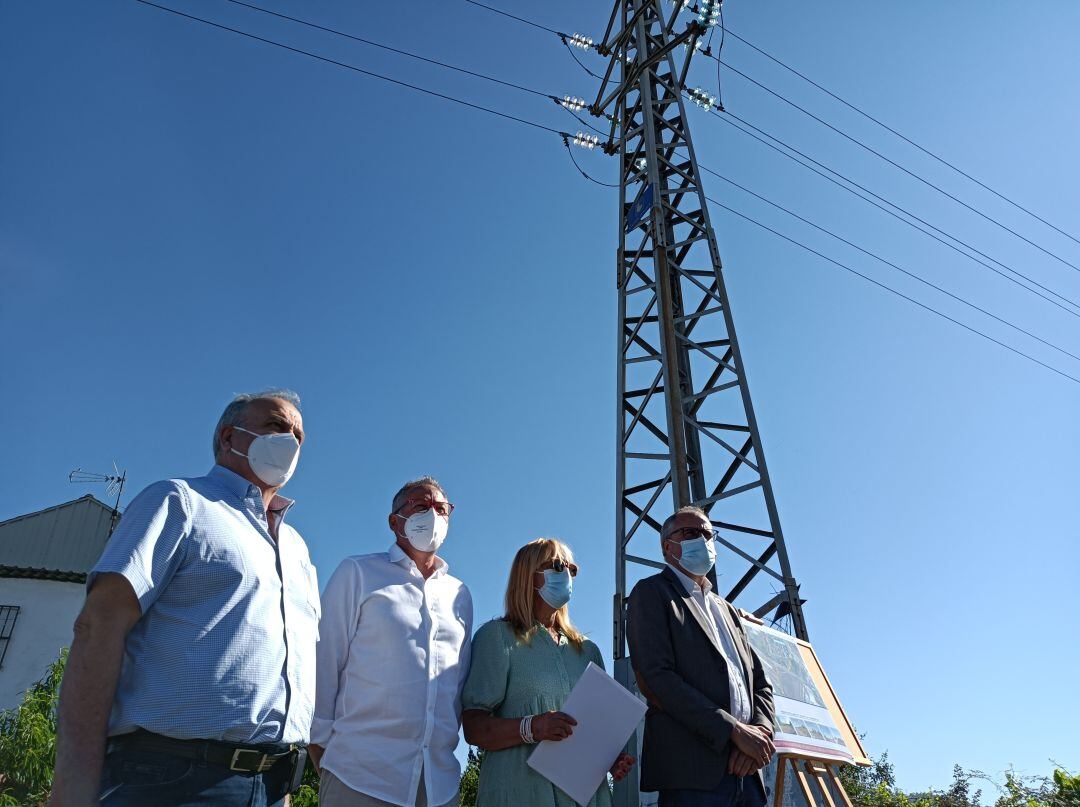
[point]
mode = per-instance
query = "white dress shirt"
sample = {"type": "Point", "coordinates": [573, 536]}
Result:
{"type": "Point", "coordinates": [393, 655]}
{"type": "Point", "coordinates": [709, 607]}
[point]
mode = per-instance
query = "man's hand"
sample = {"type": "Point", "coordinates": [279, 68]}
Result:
{"type": "Point", "coordinates": [739, 764]}
{"type": "Point", "coordinates": [754, 741]}
{"type": "Point", "coordinates": [622, 766]}
{"type": "Point", "coordinates": [552, 726]}
{"type": "Point", "coordinates": [749, 617]}
{"type": "Point", "coordinates": [315, 753]}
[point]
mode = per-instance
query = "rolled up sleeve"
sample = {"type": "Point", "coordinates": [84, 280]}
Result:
{"type": "Point", "coordinates": [149, 542]}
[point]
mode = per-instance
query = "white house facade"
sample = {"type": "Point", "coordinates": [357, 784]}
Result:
{"type": "Point", "coordinates": [44, 558]}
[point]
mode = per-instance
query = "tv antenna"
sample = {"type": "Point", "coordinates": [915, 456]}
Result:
{"type": "Point", "coordinates": [114, 483]}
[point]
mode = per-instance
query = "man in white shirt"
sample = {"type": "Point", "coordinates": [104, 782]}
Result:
{"type": "Point", "coordinates": [393, 654]}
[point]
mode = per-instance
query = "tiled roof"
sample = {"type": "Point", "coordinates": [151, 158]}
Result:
{"type": "Point", "coordinates": [43, 574]}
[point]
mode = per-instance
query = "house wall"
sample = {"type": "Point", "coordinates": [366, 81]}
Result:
{"type": "Point", "coordinates": [48, 611]}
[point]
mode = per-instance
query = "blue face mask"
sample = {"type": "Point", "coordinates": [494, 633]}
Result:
{"type": "Point", "coordinates": [557, 588]}
{"type": "Point", "coordinates": [698, 555]}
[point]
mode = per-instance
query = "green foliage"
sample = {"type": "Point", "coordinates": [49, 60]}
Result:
{"type": "Point", "coordinates": [875, 786]}
{"type": "Point", "coordinates": [1067, 788]}
{"type": "Point", "coordinates": [308, 794]}
{"type": "Point", "coordinates": [470, 779]}
{"type": "Point", "coordinates": [28, 741]}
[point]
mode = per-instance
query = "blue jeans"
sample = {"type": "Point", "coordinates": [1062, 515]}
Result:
{"type": "Point", "coordinates": [733, 791]}
{"type": "Point", "coordinates": [133, 777]}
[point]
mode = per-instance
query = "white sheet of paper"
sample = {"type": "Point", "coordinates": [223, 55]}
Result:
{"type": "Point", "coordinates": [606, 715]}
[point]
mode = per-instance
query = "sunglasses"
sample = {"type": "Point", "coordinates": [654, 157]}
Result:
{"type": "Point", "coordinates": [691, 532]}
{"type": "Point", "coordinates": [442, 508]}
{"type": "Point", "coordinates": [559, 565]}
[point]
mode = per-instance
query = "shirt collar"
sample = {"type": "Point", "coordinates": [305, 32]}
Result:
{"type": "Point", "coordinates": [689, 582]}
{"type": "Point", "coordinates": [398, 556]}
{"type": "Point", "coordinates": [242, 489]}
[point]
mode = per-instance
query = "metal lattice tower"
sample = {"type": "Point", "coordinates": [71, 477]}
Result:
{"type": "Point", "coordinates": [686, 427]}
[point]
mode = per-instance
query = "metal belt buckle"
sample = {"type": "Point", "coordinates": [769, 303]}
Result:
{"type": "Point", "coordinates": [261, 764]}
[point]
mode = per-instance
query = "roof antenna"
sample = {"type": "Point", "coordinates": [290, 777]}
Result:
{"type": "Point", "coordinates": [114, 483]}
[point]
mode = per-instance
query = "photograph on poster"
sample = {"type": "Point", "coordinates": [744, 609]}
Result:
{"type": "Point", "coordinates": [803, 724]}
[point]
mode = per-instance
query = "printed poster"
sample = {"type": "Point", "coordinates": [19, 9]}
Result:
{"type": "Point", "coordinates": [803, 724]}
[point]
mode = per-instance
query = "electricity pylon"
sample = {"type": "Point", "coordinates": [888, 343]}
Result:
{"type": "Point", "coordinates": [686, 424]}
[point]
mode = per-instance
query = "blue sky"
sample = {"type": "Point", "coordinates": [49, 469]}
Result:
{"type": "Point", "coordinates": [185, 215]}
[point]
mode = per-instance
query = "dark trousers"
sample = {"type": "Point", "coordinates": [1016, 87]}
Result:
{"type": "Point", "coordinates": [134, 777]}
{"type": "Point", "coordinates": [733, 791]}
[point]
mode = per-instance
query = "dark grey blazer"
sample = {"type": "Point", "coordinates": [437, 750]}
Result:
{"type": "Point", "coordinates": [681, 669]}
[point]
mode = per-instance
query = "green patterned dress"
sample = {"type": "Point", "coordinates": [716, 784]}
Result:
{"type": "Point", "coordinates": [510, 678]}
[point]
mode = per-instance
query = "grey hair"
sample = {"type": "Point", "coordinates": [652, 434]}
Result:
{"type": "Point", "coordinates": [665, 531]}
{"type": "Point", "coordinates": [234, 412]}
{"type": "Point", "coordinates": [399, 497]}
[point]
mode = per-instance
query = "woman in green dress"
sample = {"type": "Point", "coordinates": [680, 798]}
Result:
{"type": "Point", "coordinates": [523, 668]}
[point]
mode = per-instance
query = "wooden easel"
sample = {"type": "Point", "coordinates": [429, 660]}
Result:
{"type": "Point", "coordinates": [804, 770]}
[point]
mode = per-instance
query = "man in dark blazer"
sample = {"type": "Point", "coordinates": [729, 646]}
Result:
{"type": "Point", "coordinates": [708, 731]}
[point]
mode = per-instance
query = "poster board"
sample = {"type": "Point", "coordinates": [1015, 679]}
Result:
{"type": "Point", "coordinates": [832, 703]}
{"type": "Point", "coordinates": [810, 723]}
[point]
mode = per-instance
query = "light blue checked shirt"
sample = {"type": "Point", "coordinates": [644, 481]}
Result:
{"type": "Point", "coordinates": [225, 648]}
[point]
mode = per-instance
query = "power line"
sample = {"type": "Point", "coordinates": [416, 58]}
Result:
{"type": "Point", "coordinates": [411, 55]}
{"type": "Point", "coordinates": [825, 123]}
{"type": "Point", "coordinates": [891, 290]}
{"type": "Point", "coordinates": [355, 69]}
{"type": "Point", "coordinates": [374, 44]}
{"type": "Point", "coordinates": [760, 137]}
{"type": "Point", "coordinates": [573, 55]}
{"type": "Point", "coordinates": [897, 165]}
{"type": "Point", "coordinates": [565, 135]}
{"type": "Point", "coordinates": [861, 187]}
{"type": "Point", "coordinates": [570, 151]}
{"type": "Point", "coordinates": [903, 137]}
{"type": "Point", "coordinates": [877, 257]}
{"type": "Point", "coordinates": [514, 16]}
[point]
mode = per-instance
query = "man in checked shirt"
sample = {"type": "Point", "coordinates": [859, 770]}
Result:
{"type": "Point", "coordinates": [191, 677]}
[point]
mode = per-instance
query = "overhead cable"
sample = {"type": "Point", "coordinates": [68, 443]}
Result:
{"type": "Point", "coordinates": [887, 262]}
{"type": "Point", "coordinates": [570, 151]}
{"type": "Point", "coordinates": [898, 166]}
{"type": "Point", "coordinates": [891, 290]}
{"type": "Point", "coordinates": [952, 246]}
{"type": "Point", "coordinates": [355, 69]}
{"type": "Point", "coordinates": [902, 136]}
{"type": "Point", "coordinates": [515, 17]}
{"type": "Point", "coordinates": [375, 44]}
{"type": "Point", "coordinates": [760, 137]}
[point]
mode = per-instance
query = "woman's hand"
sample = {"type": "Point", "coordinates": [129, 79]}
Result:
{"type": "Point", "coordinates": [622, 766]}
{"type": "Point", "coordinates": [552, 726]}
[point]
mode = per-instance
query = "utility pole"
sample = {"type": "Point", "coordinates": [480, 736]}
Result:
{"type": "Point", "coordinates": [687, 434]}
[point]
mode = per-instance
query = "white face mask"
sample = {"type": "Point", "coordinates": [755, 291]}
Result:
{"type": "Point", "coordinates": [272, 457]}
{"type": "Point", "coordinates": [426, 530]}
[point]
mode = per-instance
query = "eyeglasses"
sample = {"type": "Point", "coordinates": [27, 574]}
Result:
{"type": "Point", "coordinates": [692, 532]}
{"type": "Point", "coordinates": [442, 508]}
{"type": "Point", "coordinates": [559, 565]}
